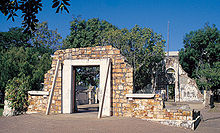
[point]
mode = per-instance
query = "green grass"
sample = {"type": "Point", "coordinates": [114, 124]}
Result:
{"type": "Point", "coordinates": [1, 109]}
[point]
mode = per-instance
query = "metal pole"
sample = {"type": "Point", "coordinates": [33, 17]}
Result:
{"type": "Point", "coordinates": [168, 38]}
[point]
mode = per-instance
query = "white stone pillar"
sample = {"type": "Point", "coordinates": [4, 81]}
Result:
{"type": "Point", "coordinates": [107, 103]}
{"type": "Point", "coordinates": [67, 96]}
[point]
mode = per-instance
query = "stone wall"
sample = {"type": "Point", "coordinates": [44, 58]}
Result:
{"type": "Point", "coordinates": [154, 109]}
{"type": "Point", "coordinates": [189, 90]}
{"type": "Point", "coordinates": [121, 82]}
{"type": "Point", "coordinates": [37, 104]}
{"type": "Point", "coordinates": [186, 89]}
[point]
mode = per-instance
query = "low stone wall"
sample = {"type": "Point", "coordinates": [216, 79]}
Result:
{"type": "Point", "coordinates": [154, 109]}
{"type": "Point", "coordinates": [37, 104]}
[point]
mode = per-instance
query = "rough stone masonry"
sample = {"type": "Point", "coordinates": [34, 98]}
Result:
{"type": "Point", "coordinates": [122, 79]}
{"type": "Point", "coordinates": [186, 89]}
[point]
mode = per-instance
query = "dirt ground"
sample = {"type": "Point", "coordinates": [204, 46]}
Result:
{"type": "Point", "coordinates": [87, 122]}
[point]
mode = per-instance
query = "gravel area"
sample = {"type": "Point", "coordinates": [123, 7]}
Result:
{"type": "Point", "coordinates": [87, 122]}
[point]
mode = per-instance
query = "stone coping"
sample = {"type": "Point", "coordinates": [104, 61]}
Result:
{"type": "Point", "coordinates": [38, 93]}
{"type": "Point", "coordinates": [144, 96]}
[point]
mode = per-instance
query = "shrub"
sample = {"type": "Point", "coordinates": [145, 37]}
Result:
{"type": "Point", "coordinates": [16, 94]}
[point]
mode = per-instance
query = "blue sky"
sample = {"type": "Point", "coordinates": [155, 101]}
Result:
{"type": "Point", "coordinates": [184, 15]}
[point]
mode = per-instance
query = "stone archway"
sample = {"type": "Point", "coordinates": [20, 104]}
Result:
{"type": "Point", "coordinates": [121, 80]}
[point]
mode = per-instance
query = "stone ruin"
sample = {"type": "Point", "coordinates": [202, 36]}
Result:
{"type": "Point", "coordinates": [122, 102]}
{"type": "Point", "coordinates": [185, 88]}
{"type": "Point", "coordinates": [121, 79]}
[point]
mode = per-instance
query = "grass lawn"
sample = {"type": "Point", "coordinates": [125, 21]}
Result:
{"type": "Point", "coordinates": [1, 109]}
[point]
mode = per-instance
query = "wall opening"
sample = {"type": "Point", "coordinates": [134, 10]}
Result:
{"type": "Point", "coordinates": [170, 84]}
{"type": "Point", "coordinates": [87, 89]}
{"type": "Point", "coordinates": [69, 84]}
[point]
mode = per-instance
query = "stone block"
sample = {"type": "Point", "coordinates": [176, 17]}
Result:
{"type": "Point", "coordinates": [122, 80]}
{"type": "Point", "coordinates": [117, 70]}
{"type": "Point", "coordinates": [188, 118]}
{"type": "Point", "coordinates": [129, 75]}
{"type": "Point", "coordinates": [186, 113]}
{"type": "Point", "coordinates": [118, 75]}
{"type": "Point", "coordinates": [180, 110]}
{"type": "Point", "coordinates": [129, 79]}
{"type": "Point", "coordinates": [120, 87]}
{"type": "Point", "coordinates": [117, 81]}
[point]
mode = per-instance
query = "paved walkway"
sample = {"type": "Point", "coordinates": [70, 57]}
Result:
{"type": "Point", "coordinates": [87, 122]}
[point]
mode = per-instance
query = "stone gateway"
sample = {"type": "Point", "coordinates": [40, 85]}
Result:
{"type": "Point", "coordinates": [121, 80]}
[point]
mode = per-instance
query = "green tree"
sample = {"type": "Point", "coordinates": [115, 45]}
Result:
{"type": "Point", "coordinates": [209, 76]}
{"type": "Point", "coordinates": [22, 54]}
{"type": "Point", "coordinates": [87, 76]}
{"type": "Point", "coordinates": [144, 50]}
{"type": "Point", "coordinates": [46, 40]}
{"type": "Point", "coordinates": [14, 38]}
{"type": "Point", "coordinates": [29, 9]}
{"type": "Point", "coordinates": [24, 61]}
{"type": "Point", "coordinates": [201, 55]}
{"type": "Point", "coordinates": [86, 33]}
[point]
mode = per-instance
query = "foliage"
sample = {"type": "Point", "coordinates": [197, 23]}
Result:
{"type": "Point", "coordinates": [1, 111]}
{"type": "Point", "coordinates": [22, 54]}
{"type": "Point", "coordinates": [86, 33]}
{"type": "Point", "coordinates": [27, 61]}
{"type": "Point", "coordinates": [201, 55]}
{"type": "Point", "coordinates": [209, 76]}
{"type": "Point", "coordinates": [44, 39]}
{"type": "Point", "coordinates": [87, 76]}
{"type": "Point", "coordinates": [16, 93]}
{"type": "Point", "coordinates": [144, 50]}
{"type": "Point", "coordinates": [29, 9]}
{"type": "Point", "coordinates": [14, 38]}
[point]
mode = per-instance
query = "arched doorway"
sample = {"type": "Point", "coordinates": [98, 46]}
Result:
{"type": "Point", "coordinates": [170, 84]}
